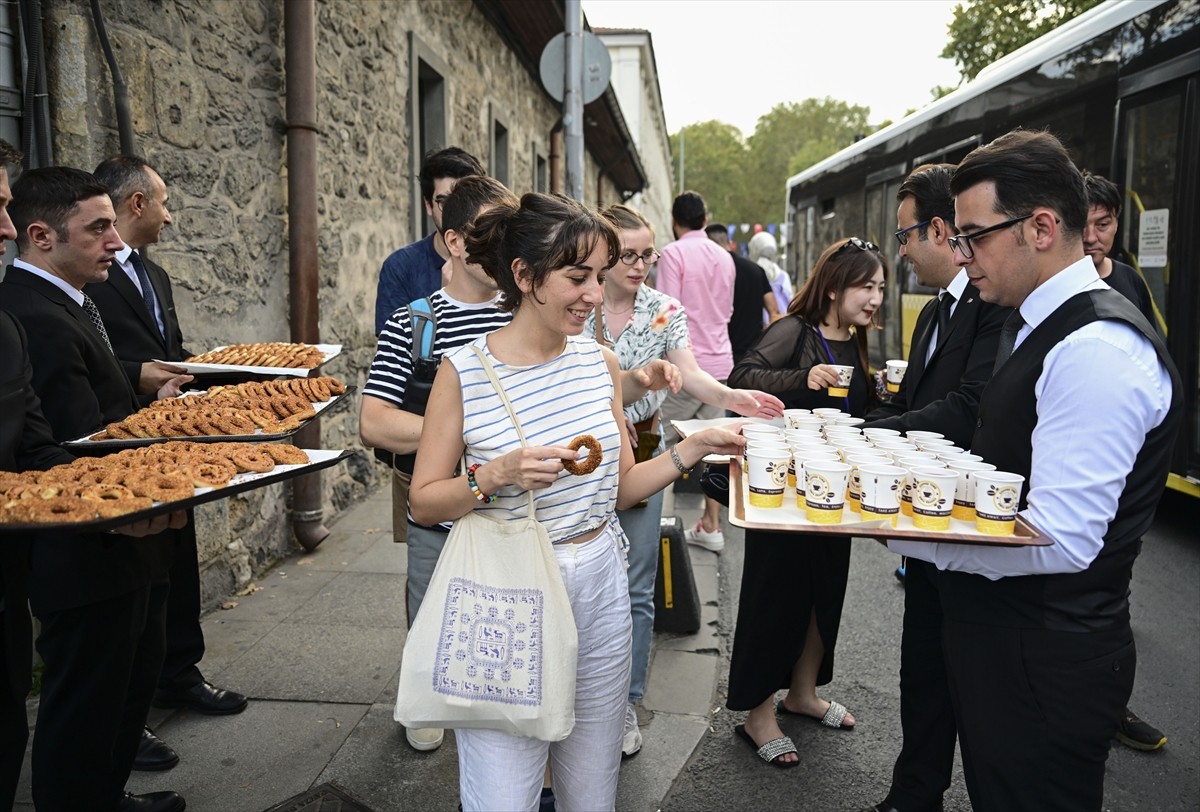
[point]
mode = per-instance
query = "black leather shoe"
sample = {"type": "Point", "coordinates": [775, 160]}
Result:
{"type": "Point", "coordinates": [152, 802]}
{"type": "Point", "coordinates": [203, 697]}
{"type": "Point", "coordinates": [153, 753]}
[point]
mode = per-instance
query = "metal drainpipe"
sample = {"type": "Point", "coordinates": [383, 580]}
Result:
{"type": "Point", "coordinates": [120, 89]}
{"type": "Point", "coordinates": [300, 70]}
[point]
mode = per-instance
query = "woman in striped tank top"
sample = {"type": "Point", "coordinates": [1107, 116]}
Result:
{"type": "Point", "coordinates": [548, 256]}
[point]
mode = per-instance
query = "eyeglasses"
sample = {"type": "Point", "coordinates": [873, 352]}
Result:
{"type": "Point", "coordinates": [649, 257]}
{"type": "Point", "coordinates": [902, 234]}
{"type": "Point", "coordinates": [861, 245]}
{"type": "Point", "coordinates": [962, 242]}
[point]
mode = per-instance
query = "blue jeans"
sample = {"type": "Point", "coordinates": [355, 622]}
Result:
{"type": "Point", "coordinates": [641, 526]}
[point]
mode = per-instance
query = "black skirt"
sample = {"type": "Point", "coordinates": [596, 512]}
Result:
{"type": "Point", "coordinates": [785, 579]}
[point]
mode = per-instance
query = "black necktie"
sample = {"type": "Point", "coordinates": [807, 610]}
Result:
{"type": "Point", "coordinates": [147, 290]}
{"type": "Point", "coordinates": [1008, 338]}
{"type": "Point", "coordinates": [93, 314]}
{"type": "Point", "coordinates": [943, 316]}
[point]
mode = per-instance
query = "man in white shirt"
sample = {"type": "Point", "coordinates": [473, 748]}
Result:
{"type": "Point", "coordinates": [1038, 646]}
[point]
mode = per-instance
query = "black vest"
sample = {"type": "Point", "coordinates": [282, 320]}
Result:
{"type": "Point", "coordinates": [1098, 597]}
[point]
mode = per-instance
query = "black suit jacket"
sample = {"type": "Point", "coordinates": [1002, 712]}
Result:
{"type": "Point", "coordinates": [943, 395]}
{"type": "Point", "coordinates": [131, 329]}
{"type": "Point", "coordinates": [82, 387]}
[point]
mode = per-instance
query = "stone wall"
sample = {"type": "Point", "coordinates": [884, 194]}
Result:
{"type": "Point", "coordinates": [206, 86]}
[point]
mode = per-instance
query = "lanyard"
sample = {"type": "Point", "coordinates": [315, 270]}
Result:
{"type": "Point", "coordinates": [832, 360]}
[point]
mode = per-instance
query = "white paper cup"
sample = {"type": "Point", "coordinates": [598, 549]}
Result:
{"type": "Point", "coordinates": [850, 420]}
{"type": "Point", "coordinates": [906, 487]}
{"type": "Point", "coordinates": [935, 444]}
{"type": "Point", "coordinates": [768, 475]}
{"type": "Point", "coordinates": [964, 491]}
{"type": "Point", "coordinates": [802, 456]}
{"type": "Point", "coordinates": [825, 490]}
{"type": "Point", "coordinates": [828, 413]}
{"type": "Point", "coordinates": [845, 374]}
{"type": "Point", "coordinates": [895, 374]}
{"type": "Point", "coordinates": [933, 497]}
{"type": "Point", "coordinates": [997, 499]}
{"type": "Point", "coordinates": [791, 415]}
{"type": "Point", "coordinates": [873, 434]}
{"type": "Point", "coordinates": [896, 444]}
{"type": "Point", "coordinates": [880, 491]}
{"type": "Point", "coordinates": [854, 485]}
{"type": "Point", "coordinates": [804, 434]}
{"type": "Point", "coordinates": [957, 456]}
{"type": "Point", "coordinates": [926, 435]}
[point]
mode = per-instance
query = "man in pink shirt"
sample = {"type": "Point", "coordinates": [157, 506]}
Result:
{"type": "Point", "coordinates": [700, 274]}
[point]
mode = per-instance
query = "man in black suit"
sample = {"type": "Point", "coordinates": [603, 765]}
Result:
{"type": "Point", "coordinates": [138, 309]}
{"type": "Point", "coordinates": [950, 361]}
{"type": "Point", "coordinates": [101, 600]}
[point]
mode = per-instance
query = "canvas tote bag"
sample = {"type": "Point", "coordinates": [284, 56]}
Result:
{"type": "Point", "coordinates": [494, 644]}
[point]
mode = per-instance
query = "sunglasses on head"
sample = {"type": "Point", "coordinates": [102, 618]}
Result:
{"type": "Point", "coordinates": [861, 245]}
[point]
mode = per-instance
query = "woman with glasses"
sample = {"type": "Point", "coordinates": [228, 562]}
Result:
{"type": "Point", "coordinates": [793, 587]}
{"type": "Point", "coordinates": [641, 325]}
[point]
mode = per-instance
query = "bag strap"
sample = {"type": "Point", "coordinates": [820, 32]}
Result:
{"type": "Point", "coordinates": [600, 337]}
{"type": "Point", "coordinates": [512, 413]}
{"type": "Point", "coordinates": [424, 327]}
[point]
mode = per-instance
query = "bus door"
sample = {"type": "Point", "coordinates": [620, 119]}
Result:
{"type": "Point", "coordinates": [1157, 162]}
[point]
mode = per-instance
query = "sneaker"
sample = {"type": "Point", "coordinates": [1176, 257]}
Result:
{"type": "Point", "coordinates": [710, 540]}
{"type": "Point", "coordinates": [1140, 735]}
{"type": "Point", "coordinates": [424, 738]}
{"type": "Point", "coordinates": [631, 741]}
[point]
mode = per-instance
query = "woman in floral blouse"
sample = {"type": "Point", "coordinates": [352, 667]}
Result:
{"type": "Point", "coordinates": [642, 324]}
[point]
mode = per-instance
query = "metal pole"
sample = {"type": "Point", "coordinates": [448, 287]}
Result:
{"type": "Point", "coordinates": [573, 98]}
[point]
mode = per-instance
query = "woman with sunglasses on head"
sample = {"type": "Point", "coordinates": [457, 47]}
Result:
{"type": "Point", "coordinates": [792, 587]}
{"type": "Point", "coordinates": [549, 256]}
{"type": "Point", "coordinates": [641, 325]}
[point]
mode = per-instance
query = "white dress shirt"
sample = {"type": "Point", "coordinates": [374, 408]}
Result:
{"type": "Point", "coordinates": [58, 282]}
{"type": "Point", "coordinates": [1101, 391]}
{"type": "Point", "coordinates": [127, 267]}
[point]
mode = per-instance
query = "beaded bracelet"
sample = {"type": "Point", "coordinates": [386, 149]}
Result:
{"type": "Point", "coordinates": [679, 463]}
{"type": "Point", "coordinates": [480, 495]}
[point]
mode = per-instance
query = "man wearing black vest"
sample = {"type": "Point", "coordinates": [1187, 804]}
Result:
{"type": "Point", "coordinates": [138, 309]}
{"type": "Point", "coordinates": [1038, 646]}
{"type": "Point", "coordinates": [951, 359]}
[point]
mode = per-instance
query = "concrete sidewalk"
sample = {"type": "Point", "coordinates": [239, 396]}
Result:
{"type": "Point", "coordinates": [318, 650]}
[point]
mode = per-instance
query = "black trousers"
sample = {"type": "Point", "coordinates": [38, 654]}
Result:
{"type": "Point", "coordinates": [926, 761]}
{"type": "Point", "coordinates": [1036, 712]}
{"type": "Point", "coordinates": [185, 638]}
{"type": "Point", "coordinates": [102, 663]}
{"type": "Point", "coordinates": [16, 664]}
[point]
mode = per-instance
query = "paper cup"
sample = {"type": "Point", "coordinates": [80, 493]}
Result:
{"type": "Point", "coordinates": [828, 413]}
{"type": "Point", "coordinates": [997, 498]}
{"type": "Point", "coordinates": [933, 497]}
{"type": "Point", "coordinates": [946, 455]}
{"type": "Point", "coordinates": [802, 454]}
{"type": "Point", "coordinates": [768, 475]}
{"type": "Point", "coordinates": [964, 491]}
{"type": "Point", "coordinates": [906, 487]}
{"type": "Point", "coordinates": [825, 484]}
{"type": "Point", "coordinates": [792, 415]}
{"type": "Point", "coordinates": [895, 374]}
{"type": "Point", "coordinates": [935, 444]}
{"type": "Point", "coordinates": [924, 435]}
{"type": "Point", "coordinates": [873, 434]}
{"type": "Point", "coordinates": [880, 492]}
{"type": "Point", "coordinates": [854, 485]}
{"type": "Point", "coordinates": [842, 388]}
{"type": "Point", "coordinates": [839, 420]}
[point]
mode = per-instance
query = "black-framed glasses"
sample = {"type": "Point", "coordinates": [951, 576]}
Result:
{"type": "Point", "coordinates": [902, 234]}
{"type": "Point", "coordinates": [861, 245]}
{"type": "Point", "coordinates": [962, 242]}
{"type": "Point", "coordinates": [649, 257]}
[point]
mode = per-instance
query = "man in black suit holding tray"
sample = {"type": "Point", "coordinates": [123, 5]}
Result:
{"type": "Point", "coordinates": [100, 599]}
{"type": "Point", "coordinates": [138, 310]}
{"type": "Point", "coordinates": [950, 361]}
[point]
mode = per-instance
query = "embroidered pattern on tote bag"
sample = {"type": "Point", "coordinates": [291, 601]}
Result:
{"type": "Point", "coordinates": [491, 644]}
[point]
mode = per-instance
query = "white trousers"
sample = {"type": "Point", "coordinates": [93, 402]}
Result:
{"type": "Point", "coordinates": [500, 772]}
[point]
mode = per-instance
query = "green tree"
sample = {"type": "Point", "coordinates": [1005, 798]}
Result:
{"type": "Point", "coordinates": [714, 164]}
{"type": "Point", "coordinates": [983, 31]}
{"type": "Point", "coordinates": [790, 138]}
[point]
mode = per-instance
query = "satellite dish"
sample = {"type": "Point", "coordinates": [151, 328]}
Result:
{"type": "Point", "coordinates": [597, 67]}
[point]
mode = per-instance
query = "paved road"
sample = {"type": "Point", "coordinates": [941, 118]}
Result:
{"type": "Point", "coordinates": [851, 770]}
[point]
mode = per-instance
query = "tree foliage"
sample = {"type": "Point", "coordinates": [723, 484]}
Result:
{"type": "Point", "coordinates": [743, 179]}
{"type": "Point", "coordinates": [983, 31]}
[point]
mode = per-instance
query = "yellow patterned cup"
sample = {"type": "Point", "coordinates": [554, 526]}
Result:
{"type": "Point", "coordinates": [842, 388]}
{"type": "Point", "coordinates": [997, 499]}
{"type": "Point", "coordinates": [825, 490]}
{"type": "Point", "coordinates": [933, 497]}
{"type": "Point", "coordinates": [964, 491]}
{"type": "Point", "coordinates": [767, 476]}
{"type": "Point", "coordinates": [881, 491]}
{"type": "Point", "coordinates": [895, 374]}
